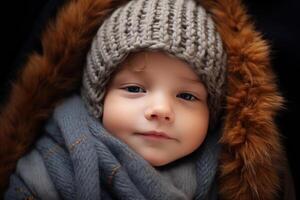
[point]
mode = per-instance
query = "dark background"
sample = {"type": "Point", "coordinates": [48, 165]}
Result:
{"type": "Point", "coordinates": [278, 20]}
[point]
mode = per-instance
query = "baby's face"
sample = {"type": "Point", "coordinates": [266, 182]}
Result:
{"type": "Point", "coordinates": [160, 111]}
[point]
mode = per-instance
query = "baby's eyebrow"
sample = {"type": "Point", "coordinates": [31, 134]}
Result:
{"type": "Point", "coordinates": [197, 81]}
{"type": "Point", "coordinates": [126, 74]}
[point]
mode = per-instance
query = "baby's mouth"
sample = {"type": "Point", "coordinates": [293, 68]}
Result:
{"type": "Point", "coordinates": [156, 135]}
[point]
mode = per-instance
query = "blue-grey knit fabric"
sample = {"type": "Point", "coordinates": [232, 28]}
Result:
{"type": "Point", "coordinates": [84, 161]}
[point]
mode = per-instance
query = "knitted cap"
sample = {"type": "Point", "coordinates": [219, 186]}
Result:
{"type": "Point", "coordinates": [179, 27]}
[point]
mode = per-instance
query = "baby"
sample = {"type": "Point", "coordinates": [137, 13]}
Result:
{"type": "Point", "coordinates": [145, 126]}
{"type": "Point", "coordinates": [165, 105]}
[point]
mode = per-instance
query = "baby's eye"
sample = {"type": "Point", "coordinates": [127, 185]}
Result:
{"type": "Point", "coordinates": [187, 96]}
{"type": "Point", "coordinates": [134, 89]}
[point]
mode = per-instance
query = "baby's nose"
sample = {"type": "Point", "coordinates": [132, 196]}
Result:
{"type": "Point", "coordinates": [160, 111]}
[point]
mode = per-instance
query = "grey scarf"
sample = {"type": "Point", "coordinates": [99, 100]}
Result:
{"type": "Point", "coordinates": [84, 161]}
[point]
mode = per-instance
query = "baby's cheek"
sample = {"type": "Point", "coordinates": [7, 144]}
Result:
{"type": "Point", "coordinates": [116, 119]}
{"type": "Point", "coordinates": [193, 131]}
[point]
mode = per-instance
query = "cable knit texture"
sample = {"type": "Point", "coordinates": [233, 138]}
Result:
{"type": "Point", "coordinates": [178, 27]}
{"type": "Point", "coordinates": [84, 161]}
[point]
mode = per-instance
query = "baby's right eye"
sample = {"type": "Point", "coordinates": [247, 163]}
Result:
{"type": "Point", "coordinates": [134, 89]}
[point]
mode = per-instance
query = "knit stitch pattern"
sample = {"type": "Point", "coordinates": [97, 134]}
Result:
{"type": "Point", "coordinates": [84, 161]}
{"type": "Point", "coordinates": [180, 28]}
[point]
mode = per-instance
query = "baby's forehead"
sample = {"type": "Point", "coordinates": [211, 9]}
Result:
{"type": "Point", "coordinates": [156, 61]}
{"type": "Point", "coordinates": [135, 62]}
{"type": "Point", "coordinates": [142, 67]}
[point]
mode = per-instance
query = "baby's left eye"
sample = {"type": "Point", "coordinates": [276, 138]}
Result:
{"type": "Point", "coordinates": [134, 89]}
{"type": "Point", "coordinates": [187, 96]}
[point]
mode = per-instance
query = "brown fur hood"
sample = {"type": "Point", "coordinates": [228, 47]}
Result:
{"type": "Point", "coordinates": [251, 150]}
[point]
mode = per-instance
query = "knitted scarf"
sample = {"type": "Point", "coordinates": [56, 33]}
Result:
{"type": "Point", "coordinates": [84, 161]}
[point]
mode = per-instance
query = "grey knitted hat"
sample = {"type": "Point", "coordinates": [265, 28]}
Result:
{"type": "Point", "coordinates": [181, 28]}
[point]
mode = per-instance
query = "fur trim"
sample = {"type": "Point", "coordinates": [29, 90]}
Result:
{"type": "Point", "coordinates": [48, 78]}
{"type": "Point", "coordinates": [252, 153]}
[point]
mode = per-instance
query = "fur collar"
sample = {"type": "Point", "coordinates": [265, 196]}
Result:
{"type": "Point", "coordinates": [251, 154]}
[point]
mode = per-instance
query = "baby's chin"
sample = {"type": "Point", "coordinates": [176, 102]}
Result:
{"type": "Point", "coordinates": [160, 158]}
{"type": "Point", "coordinates": [157, 161]}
